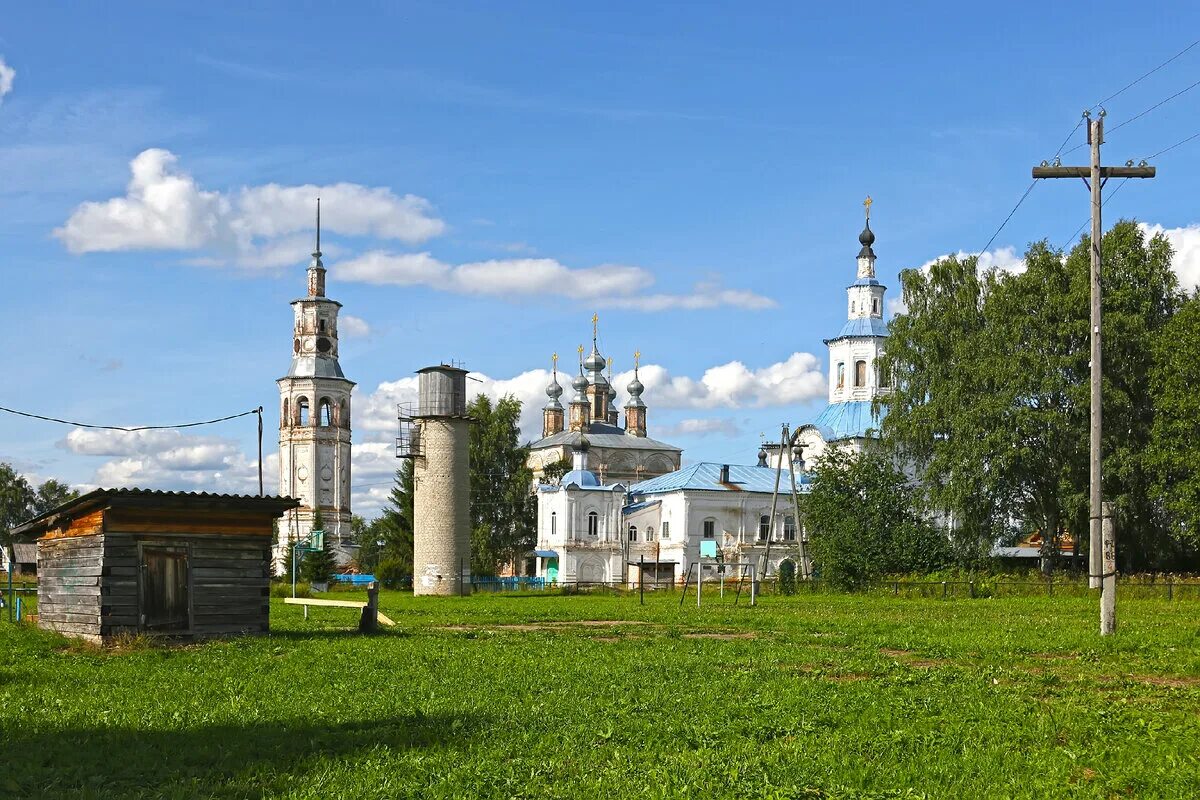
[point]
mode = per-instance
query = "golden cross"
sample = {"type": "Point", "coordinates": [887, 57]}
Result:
{"type": "Point", "coordinates": [595, 319]}
{"type": "Point", "coordinates": [554, 358]}
{"type": "Point", "coordinates": [867, 205]}
{"type": "Point", "coordinates": [637, 359]}
{"type": "Point", "coordinates": [610, 367]}
{"type": "Point", "coordinates": [581, 355]}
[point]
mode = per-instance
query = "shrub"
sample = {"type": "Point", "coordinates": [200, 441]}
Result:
{"type": "Point", "coordinates": [284, 589]}
{"type": "Point", "coordinates": [392, 573]}
{"type": "Point", "coordinates": [787, 577]}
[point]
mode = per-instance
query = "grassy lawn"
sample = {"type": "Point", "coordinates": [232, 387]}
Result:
{"type": "Point", "coordinates": [494, 696]}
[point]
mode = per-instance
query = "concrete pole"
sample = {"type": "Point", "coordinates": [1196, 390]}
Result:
{"type": "Point", "coordinates": [1095, 494]}
{"type": "Point", "coordinates": [1108, 593]}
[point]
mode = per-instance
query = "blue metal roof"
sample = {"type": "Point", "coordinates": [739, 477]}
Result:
{"type": "Point", "coordinates": [545, 554]}
{"type": "Point", "coordinates": [707, 475]}
{"type": "Point", "coordinates": [850, 420]}
{"type": "Point", "coordinates": [861, 326]}
{"type": "Point", "coordinates": [867, 282]}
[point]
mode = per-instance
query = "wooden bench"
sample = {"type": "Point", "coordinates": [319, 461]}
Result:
{"type": "Point", "coordinates": [370, 609]}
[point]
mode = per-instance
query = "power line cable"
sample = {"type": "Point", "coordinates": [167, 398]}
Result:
{"type": "Point", "coordinates": [1138, 116]}
{"type": "Point", "coordinates": [1147, 75]}
{"type": "Point", "coordinates": [133, 428]}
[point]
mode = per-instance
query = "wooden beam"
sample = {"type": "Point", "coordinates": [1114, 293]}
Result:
{"type": "Point", "coordinates": [1086, 172]}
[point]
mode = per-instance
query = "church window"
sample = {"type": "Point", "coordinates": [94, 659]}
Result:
{"type": "Point", "coordinates": [666, 530]}
{"type": "Point", "coordinates": [860, 373]}
{"type": "Point", "coordinates": [326, 413]}
{"type": "Point", "coordinates": [884, 379]}
{"type": "Point", "coordinates": [710, 528]}
{"type": "Point", "coordinates": [302, 411]}
{"type": "Point", "coordinates": [875, 306]}
{"type": "Point", "coordinates": [841, 375]}
{"type": "Point", "coordinates": [764, 527]}
{"type": "Point", "coordinates": [649, 533]}
{"type": "Point", "coordinates": [789, 528]}
{"type": "Point", "coordinates": [553, 523]}
{"type": "Point", "coordinates": [321, 325]}
{"type": "Point", "coordinates": [593, 523]}
{"type": "Point", "coordinates": [283, 416]}
{"type": "Point", "coordinates": [633, 533]}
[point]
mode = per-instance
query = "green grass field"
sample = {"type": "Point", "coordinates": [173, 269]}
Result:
{"type": "Point", "coordinates": [515, 696]}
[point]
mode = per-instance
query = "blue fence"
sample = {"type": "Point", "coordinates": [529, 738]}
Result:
{"type": "Point", "coordinates": [354, 580]}
{"type": "Point", "coordinates": [510, 584]}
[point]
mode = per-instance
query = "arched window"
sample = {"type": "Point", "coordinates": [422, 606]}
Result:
{"type": "Point", "coordinates": [302, 411]}
{"type": "Point", "coordinates": [326, 413]}
{"type": "Point", "coordinates": [882, 374]}
{"type": "Point", "coordinates": [875, 306]}
{"type": "Point", "coordinates": [789, 528]}
{"type": "Point", "coordinates": [649, 533]}
{"type": "Point", "coordinates": [593, 523]}
{"type": "Point", "coordinates": [553, 523]}
{"type": "Point", "coordinates": [764, 527]}
{"type": "Point", "coordinates": [841, 375]}
{"type": "Point", "coordinates": [860, 373]}
{"type": "Point", "coordinates": [710, 528]}
{"type": "Point", "coordinates": [284, 419]}
{"type": "Point", "coordinates": [633, 533]}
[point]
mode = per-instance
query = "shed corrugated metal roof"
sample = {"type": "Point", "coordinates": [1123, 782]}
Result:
{"type": "Point", "coordinates": [706, 475]}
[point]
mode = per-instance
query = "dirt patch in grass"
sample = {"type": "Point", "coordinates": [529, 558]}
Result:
{"type": "Point", "coordinates": [534, 627]}
{"type": "Point", "coordinates": [1051, 656]}
{"type": "Point", "coordinates": [724, 637]}
{"type": "Point", "coordinates": [909, 658]}
{"type": "Point", "coordinates": [1165, 680]}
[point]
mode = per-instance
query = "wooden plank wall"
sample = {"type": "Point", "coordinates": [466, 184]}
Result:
{"type": "Point", "coordinates": [88, 585]}
{"type": "Point", "coordinates": [69, 575]}
{"type": "Point", "coordinates": [230, 580]}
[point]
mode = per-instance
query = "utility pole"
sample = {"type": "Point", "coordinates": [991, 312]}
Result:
{"type": "Point", "coordinates": [1094, 177]}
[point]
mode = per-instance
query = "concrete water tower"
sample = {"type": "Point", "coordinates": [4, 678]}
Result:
{"type": "Point", "coordinates": [442, 486]}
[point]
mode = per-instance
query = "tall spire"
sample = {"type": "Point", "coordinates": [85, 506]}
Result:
{"type": "Point", "coordinates": [316, 270]}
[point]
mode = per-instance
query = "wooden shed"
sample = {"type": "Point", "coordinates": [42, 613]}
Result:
{"type": "Point", "coordinates": [118, 561]}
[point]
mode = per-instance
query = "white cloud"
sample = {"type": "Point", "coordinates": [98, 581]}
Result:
{"type": "Point", "coordinates": [353, 327]}
{"type": "Point", "coordinates": [702, 427]}
{"type": "Point", "coordinates": [1185, 242]}
{"type": "Point", "coordinates": [608, 285]}
{"type": "Point", "coordinates": [734, 385]}
{"type": "Point", "coordinates": [170, 459]}
{"type": "Point", "coordinates": [7, 74]}
{"type": "Point", "coordinates": [164, 208]}
{"type": "Point", "coordinates": [1002, 259]}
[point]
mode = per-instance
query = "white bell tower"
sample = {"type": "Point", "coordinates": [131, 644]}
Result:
{"type": "Point", "coordinates": [314, 423]}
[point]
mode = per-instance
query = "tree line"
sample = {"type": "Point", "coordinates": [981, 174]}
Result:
{"type": "Point", "coordinates": [986, 427]}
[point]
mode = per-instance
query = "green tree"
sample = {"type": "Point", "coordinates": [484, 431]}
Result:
{"type": "Point", "coordinates": [943, 416]}
{"type": "Point", "coordinates": [320, 566]}
{"type": "Point", "coordinates": [1174, 457]}
{"type": "Point", "coordinates": [991, 400]}
{"type": "Point", "coordinates": [503, 510]}
{"type": "Point", "coordinates": [20, 501]}
{"type": "Point", "coordinates": [551, 473]}
{"type": "Point", "coordinates": [394, 527]}
{"type": "Point", "coordinates": [866, 519]}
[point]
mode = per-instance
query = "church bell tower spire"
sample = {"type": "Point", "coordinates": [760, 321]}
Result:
{"type": "Point", "coordinates": [316, 270]}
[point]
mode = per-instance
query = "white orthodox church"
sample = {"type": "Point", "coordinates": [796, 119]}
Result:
{"type": "Point", "coordinates": [314, 423]}
{"type": "Point", "coordinates": [653, 530]}
{"type": "Point", "coordinates": [615, 454]}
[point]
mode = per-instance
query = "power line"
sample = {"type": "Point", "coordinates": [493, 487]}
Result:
{"type": "Point", "coordinates": [1147, 75]}
{"type": "Point", "coordinates": [1138, 116]}
{"type": "Point", "coordinates": [1010, 216]}
{"type": "Point", "coordinates": [134, 428]}
{"type": "Point", "coordinates": [1172, 147]}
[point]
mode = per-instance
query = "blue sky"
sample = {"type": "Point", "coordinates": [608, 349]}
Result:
{"type": "Point", "coordinates": [494, 173]}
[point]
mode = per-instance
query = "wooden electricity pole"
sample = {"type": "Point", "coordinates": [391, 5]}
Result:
{"type": "Point", "coordinates": [1095, 176]}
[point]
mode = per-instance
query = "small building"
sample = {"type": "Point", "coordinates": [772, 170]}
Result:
{"type": "Point", "coordinates": [666, 520]}
{"type": "Point", "coordinates": [128, 561]}
{"type": "Point", "coordinates": [24, 559]}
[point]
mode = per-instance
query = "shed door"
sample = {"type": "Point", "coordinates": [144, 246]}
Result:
{"type": "Point", "coordinates": [163, 605]}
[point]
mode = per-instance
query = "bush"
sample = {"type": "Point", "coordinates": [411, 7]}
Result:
{"type": "Point", "coordinates": [787, 577]}
{"type": "Point", "coordinates": [392, 573]}
{"type": "Point", "coordinates": [284, 589]}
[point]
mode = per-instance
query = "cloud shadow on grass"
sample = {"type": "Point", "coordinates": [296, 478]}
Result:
{"type": "Point", "coordinates": [210, 761]}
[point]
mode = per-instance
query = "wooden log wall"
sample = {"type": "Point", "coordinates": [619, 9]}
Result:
{"type": "Point", "coordinates": [89, 585]}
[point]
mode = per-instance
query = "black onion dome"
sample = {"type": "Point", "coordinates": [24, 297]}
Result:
{"type": "Point", "coordinates": [866, 239]}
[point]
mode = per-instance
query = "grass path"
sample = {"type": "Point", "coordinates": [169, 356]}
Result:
{"type": "Point", "coordinates": [594, 696]}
